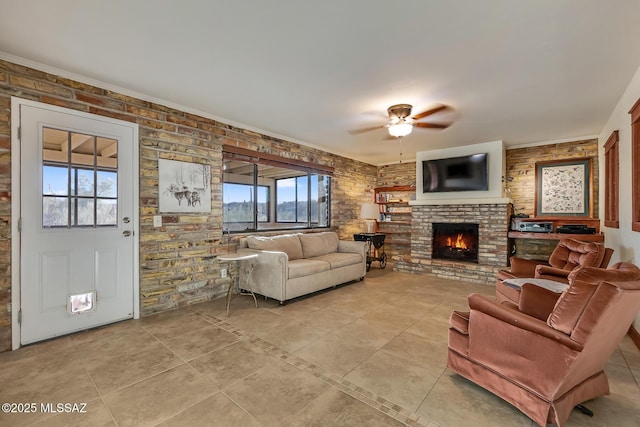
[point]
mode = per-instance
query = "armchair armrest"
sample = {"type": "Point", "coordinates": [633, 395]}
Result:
{"type": "Point", "coordinates": [548, 272]}
{"type": "Point", "coordinates": [522, 267]}
{"type": "Point", "coordinates": [519, 320]}
{"type": "Point", "coordinates": [596, 275]}
{"type": "Point", "coordinates": [537, 301]}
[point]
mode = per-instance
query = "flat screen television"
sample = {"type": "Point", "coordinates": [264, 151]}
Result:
{"type": "Point", "coordinates": [465, 173]}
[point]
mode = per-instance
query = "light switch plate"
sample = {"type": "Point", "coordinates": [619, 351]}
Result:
{"type": "Point", "coordinates": [157, 220]}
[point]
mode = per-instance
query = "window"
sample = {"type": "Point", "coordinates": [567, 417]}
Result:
{"type": "Point", "coordinates": [251, 181]}
{"type": "Point", "coordinates": [79, 180]}
{"type": "Point", "coordinates": [612, 181]}
{"type": "Point", "coordinates": [635, 166]}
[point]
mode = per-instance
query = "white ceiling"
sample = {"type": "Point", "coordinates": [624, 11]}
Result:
{"type": "Point", "coordinates": [522, 71]}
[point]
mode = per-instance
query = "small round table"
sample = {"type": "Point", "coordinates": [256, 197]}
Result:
{"type": "Point", "coordinates": [244, 267]}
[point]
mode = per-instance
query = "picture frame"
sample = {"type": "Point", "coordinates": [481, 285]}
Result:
{"type": "Point", "coordinates": [564, 188]}
{"type": "Point", "coordinates": [184, 187]}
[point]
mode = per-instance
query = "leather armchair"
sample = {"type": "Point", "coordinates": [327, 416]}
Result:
{"type": "Point", "coordinates": [547, 361]}
{"type": "Point", "coordinates": [568, 255]}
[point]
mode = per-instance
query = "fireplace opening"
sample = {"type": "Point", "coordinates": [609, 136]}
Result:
{"type": "Point", "coordinates": [455, 241]}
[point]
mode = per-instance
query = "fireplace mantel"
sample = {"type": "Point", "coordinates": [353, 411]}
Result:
{"type": "Point", "coordinates": [462, 201]}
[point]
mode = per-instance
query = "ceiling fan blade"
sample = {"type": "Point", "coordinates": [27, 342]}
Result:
{"type": "Point", "coordinates": [430, 112]}
{"type": "Point", "coordinates": [432, 125]}
{"type": "Point", "coordinates": [363, 130]}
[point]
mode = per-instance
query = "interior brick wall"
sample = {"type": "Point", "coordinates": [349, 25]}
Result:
{"type": "Point", "coordinates": [521, 170]}
{"type": "Point", "coordinates": [177, 261]}
{"type": "Point", "coordinates": [521, 182]}
{"type": "Point", "coordinates": [493, 222]}
{"type": "Point", "coordinates": [397, 174]}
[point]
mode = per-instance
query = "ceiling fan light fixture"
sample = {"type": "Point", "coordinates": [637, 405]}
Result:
{"type": "Point", "coordinates": [400, 129]}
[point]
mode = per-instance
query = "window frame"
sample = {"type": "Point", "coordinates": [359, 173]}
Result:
{"type": "Point", "coordinates": [635, 166]}
{"type": "Point", "coordinates": [310, 170]}
{"type": "Point", "coordinates": [612, 181]}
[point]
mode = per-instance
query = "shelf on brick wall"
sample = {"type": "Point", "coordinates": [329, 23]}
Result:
{"type": "Point", "coordinates": [395, 217]}
{"type": "Point", "coordinates": [558, 222]}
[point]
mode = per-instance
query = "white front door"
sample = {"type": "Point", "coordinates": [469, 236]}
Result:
{"type": "Point", "coordinates": [78, 215]}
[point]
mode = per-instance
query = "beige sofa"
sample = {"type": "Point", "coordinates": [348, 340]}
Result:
{"type": "Point", "coordinates": [292, 265]}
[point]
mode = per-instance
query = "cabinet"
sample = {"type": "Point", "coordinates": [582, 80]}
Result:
{"type": "Point", "coordinates": [395, 218]}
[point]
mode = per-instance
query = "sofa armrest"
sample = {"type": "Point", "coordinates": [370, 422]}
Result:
{"type": "Point", "coordinates": [270, 273]}
{"type": "Point", "coordinates": [519, 320]}
{"type": "Point", "coordinates": [352, 247]}
{"type": "Point", "coordinates": [522, 267]}
{"type": "Point", "coordinates": [355, 247]}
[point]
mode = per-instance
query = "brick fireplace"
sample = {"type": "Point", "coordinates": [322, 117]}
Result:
{"type": "Point", "coordinates": [492, 221]}
{"type": "Point", "coordinates": [457, 241]}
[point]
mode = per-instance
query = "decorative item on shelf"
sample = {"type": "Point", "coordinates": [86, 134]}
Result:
{"type": "Point", "coordinates": [370, 212]}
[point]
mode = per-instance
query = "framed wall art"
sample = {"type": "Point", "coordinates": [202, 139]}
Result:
{"type": "Point", "coordinates": [564, 188]}
{"type": "Point", "coordinates": [183, 186]}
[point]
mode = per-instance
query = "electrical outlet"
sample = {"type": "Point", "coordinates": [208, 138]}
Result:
{"type": "Point", "coordinates": [223, 272]}
{"type": "Point", "coordinates": [157, 221]}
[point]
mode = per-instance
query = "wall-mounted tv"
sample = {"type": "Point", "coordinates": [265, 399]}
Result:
{"type": "Point", "coordinates": [465, 173]}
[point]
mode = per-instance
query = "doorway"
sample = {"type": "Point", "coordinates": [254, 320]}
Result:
{"type": "Point", "coordinates": [74, 221]}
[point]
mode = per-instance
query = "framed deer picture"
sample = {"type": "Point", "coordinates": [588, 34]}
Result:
{"type": "Point", "coordinates": [183, 186]}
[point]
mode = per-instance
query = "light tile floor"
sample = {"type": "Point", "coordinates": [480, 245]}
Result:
{"type": "Point", "coordinates": [367, 353]}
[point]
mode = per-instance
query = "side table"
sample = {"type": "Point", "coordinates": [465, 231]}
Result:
{"type": "Point", "coordinates": [245, 265]}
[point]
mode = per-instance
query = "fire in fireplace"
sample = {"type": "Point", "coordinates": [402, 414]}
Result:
{"type": "Point", "coordinates": [455, 241]}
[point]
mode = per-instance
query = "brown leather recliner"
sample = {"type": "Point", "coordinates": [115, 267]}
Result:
{"type": "Point", "coordinates": [568, 255]}
{"type": "Point", "coordinates": [547, 362]}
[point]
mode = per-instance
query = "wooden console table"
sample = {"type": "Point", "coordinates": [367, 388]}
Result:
{"type": "Point", "coordinates": [558, 222]}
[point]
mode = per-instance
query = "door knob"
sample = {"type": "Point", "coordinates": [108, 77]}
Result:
{"type": "Point", "coordinates": [126, 233]}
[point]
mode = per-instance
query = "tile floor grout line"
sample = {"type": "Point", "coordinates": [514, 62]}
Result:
{"type": "Point", "coordinates": [350, 388]}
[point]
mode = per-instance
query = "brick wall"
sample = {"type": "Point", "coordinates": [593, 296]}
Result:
{"type": "Point", "coordinates": [492, 220]}
{"type": "Point", "coordinates": [521, 182]}
{"type": "Point", "coordinates": [177, 261]}
{"type": "Point", "coordinates": [397, 174]}
{"type": "Point", "coordinates": [521, 170]}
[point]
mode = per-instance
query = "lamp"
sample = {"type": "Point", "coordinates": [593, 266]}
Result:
{"type": "Point", "coordinates": [370, 212]}
{"type": "Point", "coordinates": [400, 129]}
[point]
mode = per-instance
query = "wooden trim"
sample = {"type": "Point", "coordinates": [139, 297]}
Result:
{"type": "Point", "coordinates": [556, 236]}
{"type": "Point", "coordinates": [635, 166]}
{"type": "Point", "coordinates": [634, 335]}
{"type": "Point", "coordinates": [635, 111]}
{"type": "Point", "coordinates": [273, 159]}
{"type": "Point", "coordinates": [613, 138]}
{"type": "Point", "coordinates": [396, 188]}
{"type": "Point", "coordinates": [612, 181]}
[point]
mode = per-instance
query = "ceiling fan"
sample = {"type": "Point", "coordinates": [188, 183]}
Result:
{"type": "Point", "coordinates": [401, 123]}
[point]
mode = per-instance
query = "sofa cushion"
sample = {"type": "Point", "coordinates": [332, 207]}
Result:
{"type": "Point", "coordinates": [337, 260]}
{"type": "Point", "coordinates": [570, 306]}
{"type": "Point", "coordinates": [306, 267]}
{"type": "Point", "coordinates": [316, 244]}
{"type": "Point", "coordinates": [287, 243]}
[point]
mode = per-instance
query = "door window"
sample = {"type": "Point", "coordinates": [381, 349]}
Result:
{"type": "Point", "coordinates": [79, 180]}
